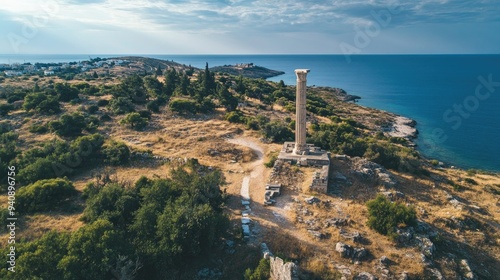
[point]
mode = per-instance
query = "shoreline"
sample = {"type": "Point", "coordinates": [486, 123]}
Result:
{"type": "Point", "coordinates": [403, 127]}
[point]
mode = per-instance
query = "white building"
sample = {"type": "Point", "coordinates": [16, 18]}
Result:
{"type": "Point", "coordinates": [12, 73]}
{"type": "Point", "coordinates": [48, 72]}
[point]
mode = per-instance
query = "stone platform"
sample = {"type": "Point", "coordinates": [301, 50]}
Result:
{"type": "Point", "coordinates": [314, 156]}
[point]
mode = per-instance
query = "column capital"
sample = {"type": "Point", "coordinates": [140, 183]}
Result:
{"type": "Point", "coordinates": [301, 74]}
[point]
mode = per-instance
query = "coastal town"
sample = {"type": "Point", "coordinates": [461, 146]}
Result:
{"type": "Point", "coordinates": [59, 69]}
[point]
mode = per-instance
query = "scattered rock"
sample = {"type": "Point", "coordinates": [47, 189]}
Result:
{"type": "Point", "coordinates": [365, 276]}
{"type": "Point", "coordinates": [466, 270]}
{"type": "Point", "coordinates": [426, 246]}
{"type": "Point", "coordinates": [312, 200]}
{"type": "Point", "coordinates": [207, 273]}
{"type": "Point", "coordinates": [230, 247]}
{"type": "Point", "coordinates": [246, 230]}
{"type": "Point", "coordinates": [266, 253]}
{"type": "Point", "coordinates": [393, 195]}
{"type": "Point", "coordinates": [384, 260]}
{"type": "Point", "coordinates": [405, 235]}
{"type": "Point", "coordinates": [230, 243]}
{"type": "Point", "coordinates": [359, 254]}
{"type": "Point", "coordinates": [448, 195]}
{"type": "Point", "coordinates": [436, 274]}
{"type": "Point", "coordinates": [344, 270]}
{"type": "Point", "coordinates": [318, 235]}
{"type": "Point", "coordinates": [425, 229]}
{"type": "Point", "coordinates": [371, 170]}
{"type": "Point", "coordinates": [347, 251]}
{"type": "Point", "coordinates": [344, 250]}
{"type": "Point", "coordinates": [456, 203]}
{"type": "Point", "coordinates": [354, 236]}
{"type": "Point", "coordinates": [336, 222]}
{"type": "Point", "coordinates": [403, 276]}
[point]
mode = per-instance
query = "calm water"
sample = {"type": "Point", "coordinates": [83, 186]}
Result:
{"type": "Point", "coordinates": [456, 124]}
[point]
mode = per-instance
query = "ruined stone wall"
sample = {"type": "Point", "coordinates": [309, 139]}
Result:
{"type": "Point", "coordinates": [283, 271]}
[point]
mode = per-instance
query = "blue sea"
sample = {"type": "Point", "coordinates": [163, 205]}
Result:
{"type": "Point", "coordinates": [455, 99]}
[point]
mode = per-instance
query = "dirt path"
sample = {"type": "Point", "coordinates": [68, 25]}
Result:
{"type": "Point", "coordinates": [256, 167]}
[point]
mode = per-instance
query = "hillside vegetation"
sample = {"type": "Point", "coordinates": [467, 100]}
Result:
{"type": "Point", "coordinates": [128, 174]}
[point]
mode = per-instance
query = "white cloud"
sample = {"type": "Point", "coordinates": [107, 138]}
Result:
{"type": "Point", "coordinates": [217, 26]}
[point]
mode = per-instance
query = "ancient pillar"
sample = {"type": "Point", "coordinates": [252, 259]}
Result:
{"type": "Point", "coordinates": [300, 122]}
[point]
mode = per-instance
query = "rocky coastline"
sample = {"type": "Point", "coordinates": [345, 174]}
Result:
{"type": "Point", "coordinates": [403, 127]}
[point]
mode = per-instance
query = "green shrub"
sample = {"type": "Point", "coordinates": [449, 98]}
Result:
{"type": "Point", "coordinates": [87, 147]}
{"type": "Point", "coordinates": [105, 118]}
{"type": "Point", "coordinates": [5, 127]}
{"type": "Point", "coordinates": [4, 214]}
{"type": "Point", "coordinates": [92, 109]}
{"type": "Point", "coordinates": [470, 181]}
{"type": "Point", "coordinates": [385, 216]}
{"type": "Point", "coordinates": [145, 114]}
{"type": "Point", "coordinates": [277, 132]}
{"type": "Point", "coordinates": [5, 109]}
{"type": "Point", "coordinates": [41, 103]}
{"type": "Point", "coordinates": [65, 92]}
{"type": "Point", "coordinates": [38, 128]}
{"type": "Point", "coordinates": [44, 195]}
{"type": "Point", "coordinates": [272, 159]}
{"type": "Point", "coordinates": [252, 124]}
{"type": "Point", "coordinates": [92, 123]}
{"type": "Point", "coordinates": [398, 140]}
{"type": "Point", "coordinates": [114, 203]}
{"type": "Point", "coordinates": [261, 272]}
{"type": "Point", "coordinates": [153, 106]}
{"type": "Point", "coordinates": [92, 252]}
{"type": "Point", "coordinates": [38, 259]}
{"type": "Point", "coordinates": [235, 117]}
{"type": "Point", "coordinates": [183, 106]}
{"type": "Point", "coordinates": [68, 125]}
{"type": "Point", "coordinates": [121, 105]}
{"type": "Point", "coordinates": [116, 153]}
{"type": "Point", "coordinates": [102, 102]}
{"type": "Point", "coordinates": [40, 168]}
{"type": "Point", "coordinates": [134, 121]}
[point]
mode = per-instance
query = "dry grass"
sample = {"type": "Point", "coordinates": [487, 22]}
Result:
{"type": "Point", "coordinates": [34, 226]}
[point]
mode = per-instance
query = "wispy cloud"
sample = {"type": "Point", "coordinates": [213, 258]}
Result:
{"type": "Point", "coordinates": [241, 18]}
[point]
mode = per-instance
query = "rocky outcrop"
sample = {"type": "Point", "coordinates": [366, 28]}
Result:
{"type": "Point", "coordinates": [347, 251]}
{"type": "Point", "coordinates": [403, 127]}
{"type": "Point", "coordinates": [371, 170]}
{"type": "Point", "coordinates": [365, 276]}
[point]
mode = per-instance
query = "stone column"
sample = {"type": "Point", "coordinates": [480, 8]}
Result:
{"type": "Point", "coordinates": [300, 122]}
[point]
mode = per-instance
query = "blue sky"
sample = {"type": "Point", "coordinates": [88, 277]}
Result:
{"type": "Point", "coordinates": [249, 27]}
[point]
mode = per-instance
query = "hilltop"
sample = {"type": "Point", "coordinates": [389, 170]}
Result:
{"type": "Point", "coordinates": [197, 136]}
